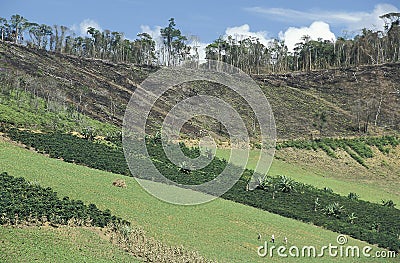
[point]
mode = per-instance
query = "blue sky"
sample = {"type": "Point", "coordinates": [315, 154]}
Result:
{"type": "Point", "coordinates": [209, 19]}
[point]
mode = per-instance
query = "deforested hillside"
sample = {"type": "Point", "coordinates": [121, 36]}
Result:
{"type": "Point", "coordinates": [98, 88]}
{"type": "Point", "coordinates": [334, 102]}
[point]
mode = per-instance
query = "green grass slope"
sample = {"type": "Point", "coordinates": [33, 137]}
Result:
{"type": "Point", "coordinates": [220, 230]}
{"type": "Point", "coordinates": [321, 175]}
{"type": "Point", "coordinates": [63, 244]}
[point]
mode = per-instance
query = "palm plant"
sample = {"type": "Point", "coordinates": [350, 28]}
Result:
{"type": "Point", "coordinates": [352, 217]}
{"type": "Point", "coordinates": [286, 184]}
{"type": "Point", "coordinates": [334, 209]}
{"type": "Point", "coordinates": [268, 184]}
{"type": "Point", "coordinates": [264, 182]}
{"type": "Point", "coordinates": [316, 204]}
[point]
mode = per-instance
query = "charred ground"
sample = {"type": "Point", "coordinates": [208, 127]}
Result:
{"type": "Point", "coordinates": [334, 102]}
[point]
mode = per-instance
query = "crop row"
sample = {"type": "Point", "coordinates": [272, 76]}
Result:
{"type": "Point", "coordinates": [359, 148]}
{"type": "Point", "coordinates": [75, 150]}
{"type": "Point", "coordinates": [22, 201]}
{"type": "Point", "coordinates": [374, 223]}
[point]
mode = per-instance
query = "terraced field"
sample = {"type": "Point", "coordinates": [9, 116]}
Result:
{"type": "Point", "coordinates": [221, 230]}
{"type": "Point", "coordinates": [343, 175]}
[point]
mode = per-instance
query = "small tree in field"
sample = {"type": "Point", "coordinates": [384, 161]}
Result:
{"type": "Point", "coordinates": [316, 204]}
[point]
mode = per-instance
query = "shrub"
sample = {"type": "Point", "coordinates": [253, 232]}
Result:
{"type": "Point", "coordinates": [30, 201]}
{"type": "Point", "coordinates": [359, 148]}
{"type": "Point", "coordinates": [352, 217]}
{"type": "Point", "coordinates": [286, 184]}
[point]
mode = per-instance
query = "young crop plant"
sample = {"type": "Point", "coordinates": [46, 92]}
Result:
{"type": "Point", "coordinates": [334, 209]}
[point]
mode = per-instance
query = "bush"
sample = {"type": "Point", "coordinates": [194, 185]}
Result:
{"type": "Point", "coordinates": [334, 209]}
{"type": "Point", "coordinates": [388, 203]}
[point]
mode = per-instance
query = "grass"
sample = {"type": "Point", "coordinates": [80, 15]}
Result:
{"type": "Point", "coordinates": [220, 229]}
{"type": "Point", "coordinates": [63, 244]}
{"type": "Point", "coordinates": [368, 192]}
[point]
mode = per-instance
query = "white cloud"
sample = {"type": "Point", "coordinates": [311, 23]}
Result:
{"type": "Point", "coordinates": [291, 15]}
{"type": "Point", "coordinates": [371, 20]}
{"type": "Point", "coordinates": [243, 31]}
{"type": "Point", "coordinates": [291, 36]}
{"type": "Point", "coordinates": [201, 49]}
{"type": "Point", "coordinates": [316, 30]}
{"type": "Point", "coordinates": [154, 33]}
{"type": "Point", "coordinates": [81, 29]}
{"type": "Point", "coordinates": [351, 21]}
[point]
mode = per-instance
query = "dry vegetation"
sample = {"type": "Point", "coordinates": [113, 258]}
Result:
{"type": "Point", "coordinates": [332, 102]}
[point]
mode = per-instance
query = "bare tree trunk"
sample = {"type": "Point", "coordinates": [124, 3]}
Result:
{"type": "Point", "coordinates": [378, 111]}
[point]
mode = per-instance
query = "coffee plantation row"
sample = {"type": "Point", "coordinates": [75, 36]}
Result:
{"type": "Point", "coordinates": [374, 223]}
{"type": "Point", "coordinates": [359, 149]}
{"type": "Point", "coordinates": [73, 149]}
{"type": "Point", "coordinates": [24, 202]}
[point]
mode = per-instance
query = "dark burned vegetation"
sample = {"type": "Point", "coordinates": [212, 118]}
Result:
{"type": "Point", "coordinates": [321, 103]}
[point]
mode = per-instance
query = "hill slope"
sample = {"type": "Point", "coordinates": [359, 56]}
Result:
{"type": "Point", "coordinates": [66, 244]}
{"type": "Point", "coordinates": [349, 100]}
{"type": "Point", "coordinates": [229, 235]}
{"type": "Point", "coordinates": [333, 102]}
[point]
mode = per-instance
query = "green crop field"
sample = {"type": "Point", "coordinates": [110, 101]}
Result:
{"type": "Point", "coordinates": [221, 229]}
{"type": "Point", "coordinates": [367, 191]}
